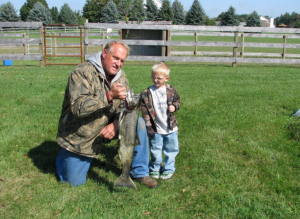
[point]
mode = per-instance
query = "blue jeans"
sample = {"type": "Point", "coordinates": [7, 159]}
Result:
{"type": "Point", "coordinates": [169, 145]}
{"type": "Point", "coordinates": [72, 168]}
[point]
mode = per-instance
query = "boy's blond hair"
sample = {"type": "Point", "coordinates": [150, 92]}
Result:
{"type": "Point", "coordinates": [161, 67]}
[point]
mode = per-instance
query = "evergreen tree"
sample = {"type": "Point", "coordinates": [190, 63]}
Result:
{"type": "Point", "coordinates": [54, 15]}
{"type": "Point", "coordinates": [92, 10]}
{"type": "Point", "coordinates": [137, 12]}
{"type": "Point", "coordinates": [124, 9]}
{"type": "Point", "coordinates": [196, 14]}
{"type": "Point", "coordinates": [166, 11]}
{"type": "Point", "coordinates": [230, 18]}
{"type": "Point", "coordinates": [8, 13]}
{"type": "Point", "coordinates": [80, 18]}
{"type": "Point", "coordinates": [287, 19]}
{"type": "Point", "coordinates": [151, 11]}
{"type": "Point", "coordinates": [109, 13]}
{"type": "Point", "coordinates": [179, 17]}
{"type": "Point", "coordinates": [67, 16]}
{"type": "Point", "coordinates": [25, 9]}
{"type": "Point", "coordinates": [253, 20]}
{"type": "Point", "coordinates": [40, 13]}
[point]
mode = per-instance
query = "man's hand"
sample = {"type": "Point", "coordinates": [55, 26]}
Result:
{"type": "Point", "coordinates": [110, 130]}
{"type": "Point", "coordinates": [171, 108]}
{"type": "Point", "coordinates": [117, 91]}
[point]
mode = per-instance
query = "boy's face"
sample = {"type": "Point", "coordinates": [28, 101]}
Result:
{"type": "Point", "coordinates": [159, 79]}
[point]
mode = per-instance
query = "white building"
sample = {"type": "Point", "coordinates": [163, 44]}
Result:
{"type": "Point", "coordinates": [265, 22]}
{"type": "Point", "coordinates": [157, 2]}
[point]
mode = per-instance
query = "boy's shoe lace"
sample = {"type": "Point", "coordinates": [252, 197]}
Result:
{"type": "Point", "coordinates": [154, 174]}
{"type": "Point", "coordinates": [166, 175]}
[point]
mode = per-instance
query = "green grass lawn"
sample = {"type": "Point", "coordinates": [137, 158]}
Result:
{"type": "Point", "coordinates": [239, 146]}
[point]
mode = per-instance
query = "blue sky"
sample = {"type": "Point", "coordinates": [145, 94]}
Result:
{"type": "Point", "coordinates": [272, 8]}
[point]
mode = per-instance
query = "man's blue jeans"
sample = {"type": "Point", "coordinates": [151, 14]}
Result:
{"type": "Point", "coordinates": [72, 168]}
{"type": "Point", "coordinates": [168, 144]}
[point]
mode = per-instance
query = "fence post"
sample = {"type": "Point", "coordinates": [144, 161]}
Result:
{"type": "Point", "coordinates": [86, 37]}
{"type": "Point", "coordinates": [25, 45]}
{"type": "Point", "coordinates": [284, 49]}
{"type": "Point", "coordinates": [103, 37]}
{"type": "Point", "coordinates": [168, 39]}
{"type": "Point", "coordinates": [41, 47]}
{"type": "Point", "coordinates": [196, 39]}
{"type": "Point", "coordinates": [164, 38]}
{"type": "Point", "coordinates": [243, 48]}
{"type": "Point", "coordinates": [55, 43]}
{"type": "Point", "coordinates": [235, 49]}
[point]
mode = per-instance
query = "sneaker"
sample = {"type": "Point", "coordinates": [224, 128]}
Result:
{"type": "Point", "coordinates": [154, 174]}
{"type": "Point", "coordinates": [147, 181]}
{"type": "Point", "coordinates": [166, 175]}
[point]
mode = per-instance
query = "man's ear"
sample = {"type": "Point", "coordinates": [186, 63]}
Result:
{"type": "Point", "coordinates": [104, 53]}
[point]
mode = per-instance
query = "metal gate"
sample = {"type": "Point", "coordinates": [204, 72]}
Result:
{"type": "Point", "coordinates": [54, 46]}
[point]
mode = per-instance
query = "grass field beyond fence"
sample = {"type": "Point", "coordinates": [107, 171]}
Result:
{"type": "Point", "coordinates": [239, 147]}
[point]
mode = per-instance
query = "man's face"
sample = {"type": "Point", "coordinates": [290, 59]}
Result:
{"type": "Point", "coordinates": [113, 61]}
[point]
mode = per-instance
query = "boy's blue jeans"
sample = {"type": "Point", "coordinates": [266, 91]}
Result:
{"type": "Point", "coordinates": [72, 168]}
{"type": "Point", "coordinates": [169, 145]}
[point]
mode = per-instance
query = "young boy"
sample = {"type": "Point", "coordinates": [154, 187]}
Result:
{"type": "Point", "coordinates": [159, 102]}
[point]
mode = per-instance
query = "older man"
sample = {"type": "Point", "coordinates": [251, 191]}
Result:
{"type": "Point", "coordinates": [95, 92]}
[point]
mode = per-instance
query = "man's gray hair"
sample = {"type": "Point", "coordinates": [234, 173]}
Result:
{"type": "Point", "coordinates": [109, 46]}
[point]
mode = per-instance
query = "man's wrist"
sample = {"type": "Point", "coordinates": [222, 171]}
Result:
{"type": "Point", "coordinates": [109, 99]}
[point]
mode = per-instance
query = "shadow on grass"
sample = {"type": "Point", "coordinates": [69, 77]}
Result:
{"type": "Point", "coordinates": [44, 155]}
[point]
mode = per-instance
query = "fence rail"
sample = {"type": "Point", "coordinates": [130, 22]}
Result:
{"type": "Point", "coordinates": [234, 32]}
{"type": "Point", "coordinates": [21, 26]}
{"type": "Point", "coordinates": [238, 34]}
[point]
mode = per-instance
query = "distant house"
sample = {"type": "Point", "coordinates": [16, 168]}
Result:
{"type": "Point", "coordinates": [282, 26]}
{"type": "Point", "coordinates": [265, 22]}
{"type": "Point", "coordinates": [157, 2]}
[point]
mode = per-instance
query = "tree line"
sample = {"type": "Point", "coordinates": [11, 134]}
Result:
{"type": "Point", "coordinates": [113, 11]}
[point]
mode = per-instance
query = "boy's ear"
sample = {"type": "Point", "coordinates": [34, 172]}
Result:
{"type": "Point", "coordinates": [167, 78]}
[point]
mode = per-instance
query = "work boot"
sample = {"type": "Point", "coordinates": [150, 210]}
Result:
{"type": "Point", "coordinates": [147, 181]}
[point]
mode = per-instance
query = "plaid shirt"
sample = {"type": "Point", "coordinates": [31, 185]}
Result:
{"type": "Point", "coordinates": [148, 110]}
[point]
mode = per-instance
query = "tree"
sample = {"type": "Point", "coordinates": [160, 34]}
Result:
{"type": "Point", "coordinates": [40, 13]}
{"type": "Point", "coordinates": [290, 20]}
{"type": "Point", "coordinates": [243, 17]}
{"type": "Point", "coordinates": [80, 18]}
{"type": "Point", "coordinates": [230, 18]}
{"type": "Point", "coordinates": [67, 16]}
{"type": "Point", "coordinates": [109, 13]}
{"type": "Point", "coordinates": [210, 22]}
{"type": "Point", "coordinates": [151, 11]}
{"type": "Point", "coordinates": [196, 14]}
{"type": "Point", "coordinates": [219, 18]}
{"type": "Point", "coordinates": [179, 17]}
{"type": "Point", "coordinates": [25, 9]}
{"type": "Point", "coordinates": [92, 10]}
{"type": "Point", "coordinates": [124, 8]}
{"type": "Point", "coordinates": [166, 11]}
{"type": "Point", "coordinates": [253, 20]}
{"type": "Point", "coordinates": [137, 12]}
{"type": "Point", "coordinates": [54, 14]}
{"type": "Point", "coordinates": [8, 13]}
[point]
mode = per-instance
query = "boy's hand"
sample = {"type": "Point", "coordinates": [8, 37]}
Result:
{"type": "Point", "coordinates": [171, 108]}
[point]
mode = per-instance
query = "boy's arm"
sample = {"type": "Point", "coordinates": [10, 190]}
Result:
{"type": "Point", "coordinates": [176, 100]}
